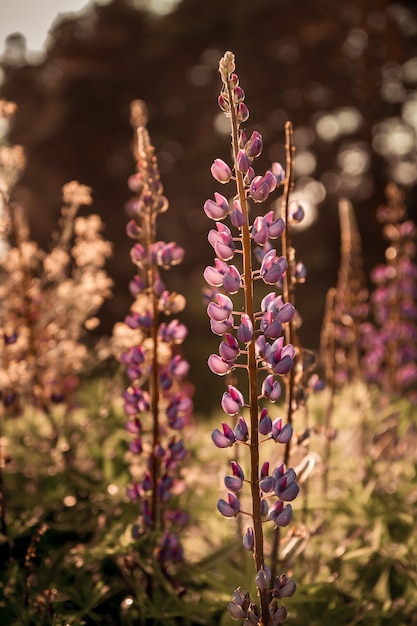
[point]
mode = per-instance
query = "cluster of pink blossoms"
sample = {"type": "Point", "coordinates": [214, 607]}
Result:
{"type": "Point", "coordinates": [252, 341]}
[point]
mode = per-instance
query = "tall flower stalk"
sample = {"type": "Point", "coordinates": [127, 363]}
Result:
{"type": "Point", "coordinates": [158, 399]}
{"type": "Point", "coordinates": [253, 345]}
{"type": "Point", "coordinates": [390, 344]}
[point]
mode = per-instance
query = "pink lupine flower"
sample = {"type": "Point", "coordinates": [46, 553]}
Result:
{"type": "Point", "coordinates": [218, 365]}
{"type": "Point", "coordinates": [222, 242]}
{"type": "Point", "coordinates": [245, 330]}
{"type": "Point", "coordinates": [217, 209]}
{"type": "Point", "coordinates": [221, 171]}
{"type": "Point", "coordinates": [271, 388]}
{"type": "Point", "coordinates": [232, 400]}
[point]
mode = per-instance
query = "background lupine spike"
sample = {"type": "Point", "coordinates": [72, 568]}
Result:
{"type": "Point", "coordinates": [158, 401]}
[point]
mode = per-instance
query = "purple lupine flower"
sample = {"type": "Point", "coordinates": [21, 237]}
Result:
{"type": "Point", "coordinates": [217, 209]}
{"type": "Point", "coordinates": [284, 587]}
{"type": "Point", "coordinates": [237, 470]}
{"type": "Point", "coordinates": [222, 242]}
{"type": "Point", "coordinates": [271, 388]}
{"type": "Point", "coordinates": [235, 607]}
{"type": "Point", "coordinates": [278, 171]}
{"type": "Point", "coordinates": [171, 406]}
{"type": "Point", "coordinates": [241, 430]}
{"type": "Point", "coordinates": [265, 422]}
{"type": "Point", "coordinates": [218, 365]}
{"type": "Point", "coordinates": [263, 578]}
{"type": "Point", "coordinates": [220, 328]}
{"type": "Point", "coordinates": [275, 227]}
{"type": "Point", "coordinates": [174, 332]}
{"type": "Point", "coordinates": [259, 189]}
{"type": "Point", "coordinates": [260, 231]}
{"type": "Point", "coordinates": [233, 483]}
{"type": "Point", "coordinates": [230, 508]}
{"type": "Point", "coordinates": [267, 484]}
{"type": "Point", "coordinates": [221, 171]}
{"type": "Point", "coordinates": [249, 539]}
{"type": "Point", "coordinates": [278, 614]}
{"type": "Point", "coordinates": [296, 212]}
{"type": "Point", "coordinates": [232, 280]}
{"type": "Point", "coordinates": [232, 400]}
{"type": "Point", "coordinates": [254, 145]}
{"type": "Point", "coordinates": [286, 487]}
{"type": "Point", "coordinates": [281, 515]}
{"type": "Point", "coordinates": [271, 325]}
{"type": "Point", "coordinates": [260, 332]}
{"type": "Point", "coordinates": [223, 439]}
{"type": "Point", "coordinates": [279, 433]}
{"type": "Point", "coordinates": [238, 94]}
{"type": "Point", "coordinates": [243, 161]}
{"type": "Point", "coordinates": [245, 330]}
{"type": "Point", "coordinates": [242, 112]}
{"type": "Point", "coordinates": [273, 267]}
{"type": "Point", "coordinates": [281, 357]}
{"type": "Point", "coordinates": [229, 348]}
{"type": "Point", "coordinates": [222, 274]}
{"type": "Point", "coordinates": [237, 217]}
{"type": "Point", "coordinates": [220, 309]}
{"type": "Point", "coordinates": [264, 507]}
{"type": "Point", "coordinates": [214, 275]}
{"type": "Point", "coordinates": [170, 549]}
{"type": "Point", "coordinates": [178, 366]}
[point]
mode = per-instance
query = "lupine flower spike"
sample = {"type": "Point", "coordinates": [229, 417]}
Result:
{"type": "Point", "coordinates": [252, 341]}
{"type": "Point", "coordinates": [390, 344]}
{"type": "Point", "coordinates": [157, 400]}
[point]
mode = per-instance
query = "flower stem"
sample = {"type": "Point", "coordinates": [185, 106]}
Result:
{"type": "Point", "coordinates": [252, 369]}
{"type": "Point", "coordinates": [288, 283]}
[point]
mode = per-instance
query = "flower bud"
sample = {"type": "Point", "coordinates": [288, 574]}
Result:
{"type": "Point", "coordinates": [245, 330]}
{"type": "Point", "coordinates": [242, 112]}
{"type": "Point", "coordinates": [237, 216]}
{"type": "Point", "coordinates": [241, 430]}
{"type": "Point", "coordinates": [242, 161]}
{"type": "Point", "coordinates": [249, 539]}
{"type": "Point", "coordinates": [278, 172]}
{"type": "Point", "coordinates": [262, 579]}
{"type": "Point", "coordinates": [254, 146]}
{"type": "Point", "coordinates": [221, 171]}
{"type": "Point", "coordinates": [238, 94]}
{"type": "Point", "coordinates": [223, 102]}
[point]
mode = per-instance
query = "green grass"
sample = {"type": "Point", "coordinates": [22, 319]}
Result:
{"type": "Point", "coordinates": [69, 558]}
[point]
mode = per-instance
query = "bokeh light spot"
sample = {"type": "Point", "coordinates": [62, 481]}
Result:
{"type": "Point", "coordinates": [304, 163]}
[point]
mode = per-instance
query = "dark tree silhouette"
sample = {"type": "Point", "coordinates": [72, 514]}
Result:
{"type": "Point", "coordinates": [333, 68]}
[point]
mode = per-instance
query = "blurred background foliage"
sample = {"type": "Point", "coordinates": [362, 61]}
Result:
{"type": "Point", "coordinates": [343, 72]}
